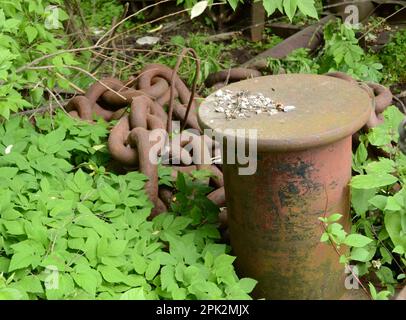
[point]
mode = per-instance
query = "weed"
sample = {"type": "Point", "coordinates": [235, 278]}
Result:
{"type": "Point", "coordinates": [378, 197]}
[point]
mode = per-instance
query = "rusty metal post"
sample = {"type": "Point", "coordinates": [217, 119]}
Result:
{"type": "Point", "coordinates": [257, 21]}
{"type": "Point", "coordinates": [303, 171]}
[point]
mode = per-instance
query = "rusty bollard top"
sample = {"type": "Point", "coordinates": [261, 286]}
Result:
{"type": "Point", "coordinates": [326, 110]}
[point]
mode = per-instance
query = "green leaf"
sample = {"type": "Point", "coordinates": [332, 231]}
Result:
{"type": "Point", "coordinates": [360, 157]}
{"type": "Point", "coordinates": [372, 290]}
{"type": "Point", "coordinates": [360, 254]}
{"type": "Point", "coordinates": [357, 240]}
{"type": "Point", "coordinates": [20, 260]}
{"type": "Point", "coordinates": [387, 132]}
{"type": "Point", "coordinates": [168, 281]}
{"type": "Point", "coordinates": [334, 217]}
{"type": "Point", "coordinates": [109, 195]}
{"type": "Point", "coordinates": [76, 243]}
{"type": "Point", "coordinates": [31, 283]}
{"type": "Point", "coordinates": [111, 274]}
{"type": "Point", "coordinates": [114, 261]}
{"type": "Point", "coordinates": [8, 172]}
{"type": "Point", "coordinates": [14, 227]}
{"type": "Point", "coordinates": [117, 247]}
{"type": "Point", "coordinates": [10, 294]}
{"type": "Point", "coordinates": [394, 227]}
{"type": "Point", "coordinates": [88, 219]}
{"type": "Point", "coordinates": [372, 181]}
{"type": "Point", "coordinates": [152, 269]}
{"type": "Point", "coordinates": [393, 204]}
{"type": "Point", "coordinates": [139, 263]}
{"type": "Point", "coordinates": [133, 294]}
{"type": "Point", "coordinates": [4, 263]}
{"type": "Point", "coordinates": [308, 8]}
{"type": "Point", "coordinates": [82, 182]}
{"type": "Point", "coordinates": [378, 201]}
{"type": "Point", "coordinates": [87, 278]}
{"type": "Point", "coordinates": [384, 165]}
{"type": "Point", "coordinates": [198, 9]}
{"type": "Point", "coordinates": [31, 33]}
{"type": "Point", "coordinates": [386, 256]}
{"type": "Point", "coordinates": [290, 7]}
{"type": "Point", "coordinates": [103, 248]}
{"type": "Point", "coordinates": [270, 6]}
{"type": "Point", "coordinates": [385, 275]}
{"type": "Point", "coordinates": [247, 284]}
{"type": "Point", "coordinates": [324, 237]}
{"type": "Point", "coordinates": [164, 258]}
{"type": "Point", "coordinates": [399, 249]}
{"type": "Point", "coordinates": [233, 3]}
{"type": "Point", "coordinates": [360, 198]}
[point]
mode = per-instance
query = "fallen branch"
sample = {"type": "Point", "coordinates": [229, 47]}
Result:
{"type": "Point", "coordinates": [309, 37]}
{"type": "Point", "coordinates": [222, 36]}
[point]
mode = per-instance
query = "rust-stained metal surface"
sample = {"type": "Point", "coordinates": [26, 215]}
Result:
{"type": "Point", "coordinates": [327, 109]}
{"type": "Point", "coordinates": [303, 171]}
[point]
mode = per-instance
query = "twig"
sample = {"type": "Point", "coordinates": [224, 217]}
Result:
{"type": "Point", "coordinates": [172, 88]}
{"type": "Point", "coordinates": [222, 36]}
{"type": "Point", "coordinates": [401, 103]}
{"type": "Point", "coordinates": [31, 111]}
{"type": "Point", "coordinates": [382, 21]}
{"type": "Point", "coordinates": [152, 21]}
{"type": "Point", "coordinates": [112, 30]}
{"type": "Point", "coordinates": [81, 70]}
{"type": "Point", "coordinates": [47, 56]}
{"type": "Point", "coordinates": [390, 253]}
{"type": "Point", "coordinates": [74, 86]}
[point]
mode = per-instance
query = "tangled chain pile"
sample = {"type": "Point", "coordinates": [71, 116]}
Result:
{"type": "Point", "coordinates": [142, 132]}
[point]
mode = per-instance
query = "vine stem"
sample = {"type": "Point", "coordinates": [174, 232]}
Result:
{"type": "Point", "coordinates": [339, 254]}
{"type": "Point", "coordinates": [84, 71]}
{"type": "Point", "coordinates": [172, 88]}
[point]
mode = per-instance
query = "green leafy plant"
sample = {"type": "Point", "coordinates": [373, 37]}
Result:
{"type": "Point", "coordinates": [342, 52]}
{"type": "Point", "coordinates": [81, 232]}
{"type": "Point", "coordinates": [378, 234]}
{"type": "Point", "coordinates": [287, 7]}
{"type": "Point", "coordinates": [101, 13]}
{"type": "Point", "coordinates": [393, 59]}
{"type": "Point", "coordinates": [297, 61]}
{"type": "Point", "coordinates": [30, 30]}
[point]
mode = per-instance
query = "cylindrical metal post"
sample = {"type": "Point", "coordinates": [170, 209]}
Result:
{"type": "Point", "coordinates": [303, 170]}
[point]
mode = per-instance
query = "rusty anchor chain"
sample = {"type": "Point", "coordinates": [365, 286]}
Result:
{"type": "Point", "coordinates": [144, 127]}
